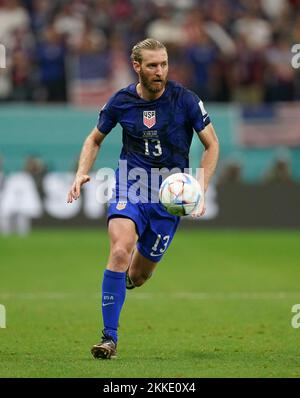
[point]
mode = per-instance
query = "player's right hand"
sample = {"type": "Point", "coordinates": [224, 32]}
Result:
{"type": "Point", "coordinates": [74, 192]}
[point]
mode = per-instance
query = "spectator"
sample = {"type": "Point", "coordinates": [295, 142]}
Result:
{"type": "Point", "coordinates": [256, 32]}
{"type": "Point", "coordinates": [202, 55]}
{"type": "Point", "coordinates": [51, 52]}
{"type": "Point", "coordinates": [69, 23]}
{"type": "Point", "coordinates": [21, 70]}
{"type": "Point", "coordinates": [164, 28]}
{"type": "Point", "coordinates": [248, 74]}
{"type": "Point", "coordinates": [12, 17]}
{"type": "Point", "coordinates": [231, 174]}
{"type": "Point", "coordinates": [37, 169]}
{"type": "Point", "coordinates": [89, 41]}
{"type": "Point", "coordinates": [40, 15]}
{"type": "Point", "coordinates": [280, 77]}
{"type": "Point", "coordinates": [279, 172]}
{"type": "Point", "coordinates": [273, 8]}
{"type": "Point", "coordinates": [222, 49]}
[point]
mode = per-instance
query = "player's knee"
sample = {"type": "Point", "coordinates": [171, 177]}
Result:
{"type": "Point", "coordinates": [120, 255]}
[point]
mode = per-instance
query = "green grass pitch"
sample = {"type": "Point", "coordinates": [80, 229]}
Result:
{"type": "Point", "coordinates": [218, 305]}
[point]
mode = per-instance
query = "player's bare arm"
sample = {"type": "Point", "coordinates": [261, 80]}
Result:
{"type": "Point", "coordinates": [209, 160]}
{"type": "Point", "coordinates": [87, 158]}
{"type": "Point", "coordinates": [210, 156]}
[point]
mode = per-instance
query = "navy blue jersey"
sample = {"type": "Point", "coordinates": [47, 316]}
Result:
{"type": "Point", "coordinates": [158, 133]}
{"type": "Point", "coordinates": [155, 133]}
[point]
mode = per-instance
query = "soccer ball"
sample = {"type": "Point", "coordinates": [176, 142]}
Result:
{"type": "Point", "coordinates": [180, 193]}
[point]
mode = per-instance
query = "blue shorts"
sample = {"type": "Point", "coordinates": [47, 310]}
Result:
{"type": "Point", "coordinates": [155, 227]}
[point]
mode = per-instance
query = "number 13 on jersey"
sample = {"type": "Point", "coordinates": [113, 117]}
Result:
{"type": "Point", "coordinates": [157, 147]}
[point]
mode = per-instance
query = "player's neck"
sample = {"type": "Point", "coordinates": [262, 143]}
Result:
{"type": "Point", "coordinates": [148, 95]}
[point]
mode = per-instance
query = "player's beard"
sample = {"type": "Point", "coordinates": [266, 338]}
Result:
{"type": "Point", "coordinates": [150, 84]}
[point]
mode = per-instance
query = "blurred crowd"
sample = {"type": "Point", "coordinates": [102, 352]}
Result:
{"type": "Point", "coordinates": [279, 171]}
{"type": "Point", "coordinates": [224, 50]}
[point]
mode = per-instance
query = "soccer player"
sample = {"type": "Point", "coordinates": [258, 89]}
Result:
{"type": "Point", "coordinates": [158, 118]}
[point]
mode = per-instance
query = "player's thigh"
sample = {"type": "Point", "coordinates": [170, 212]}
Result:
{"type": "Point", "coordinates": [158, 234]}
{"type": "Point", "coordinates": [123, 237]}
{"type": "Point", "coordinates": [141, 268]}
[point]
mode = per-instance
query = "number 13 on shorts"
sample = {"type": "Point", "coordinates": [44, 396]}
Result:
{"type": "Point", "coordinates": [160, 245]}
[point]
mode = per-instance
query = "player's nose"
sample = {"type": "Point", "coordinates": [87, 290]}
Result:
{"type": "Point", "coordinates": [159, 71]}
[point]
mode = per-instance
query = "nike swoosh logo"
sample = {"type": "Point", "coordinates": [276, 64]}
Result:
{"type": "Point", "coordinates": [105, 304]}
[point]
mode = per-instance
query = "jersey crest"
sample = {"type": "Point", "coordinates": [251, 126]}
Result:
{"type": "Point", "coordinates": [121, 205]}
{"type": "Point", "coordinates": [149, 119]}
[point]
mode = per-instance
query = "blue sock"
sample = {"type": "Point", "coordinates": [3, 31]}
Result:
{"type": "Point", "coordinates": [113, 296]}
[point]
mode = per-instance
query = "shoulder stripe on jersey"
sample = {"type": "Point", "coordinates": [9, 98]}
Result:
{"type": "Point", "coordinates": [201, 105]}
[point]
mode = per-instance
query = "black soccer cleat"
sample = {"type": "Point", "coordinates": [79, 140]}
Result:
{"type": "Point", "coordinates": [106, 349]}
{"type": "Point", "coordinates": [129, 284]}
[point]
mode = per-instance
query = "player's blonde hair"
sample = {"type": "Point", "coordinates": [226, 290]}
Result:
{"type": "Point", "coordinates": [147, 44]}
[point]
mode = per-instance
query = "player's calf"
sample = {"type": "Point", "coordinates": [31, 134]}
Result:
{"type": "Point", "coordinates": [136, 280]}
{"type": "Point", "coordinates": [129, 283]}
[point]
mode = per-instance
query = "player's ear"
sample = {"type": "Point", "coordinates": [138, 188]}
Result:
{"type": "Point", "coordinates": [136, 66]}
